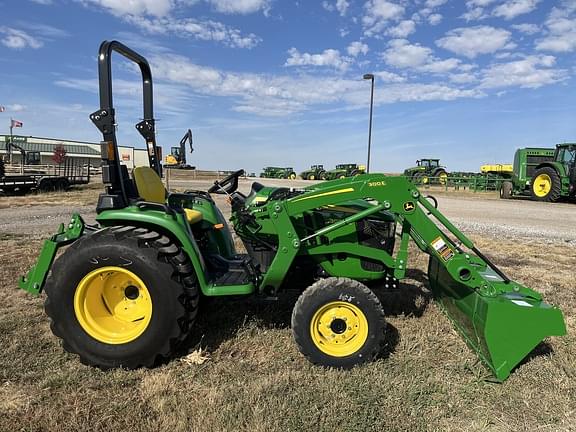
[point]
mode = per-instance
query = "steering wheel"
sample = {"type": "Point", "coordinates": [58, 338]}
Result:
{"type": "Point", "coordinates": [228, 184]}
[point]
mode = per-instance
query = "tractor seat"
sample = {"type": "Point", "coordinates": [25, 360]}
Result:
{"type": "Point", "coordinates": [150, 188]}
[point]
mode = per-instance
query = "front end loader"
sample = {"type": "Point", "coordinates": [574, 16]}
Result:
{"type": "Point", "coordinates": [124, 293]}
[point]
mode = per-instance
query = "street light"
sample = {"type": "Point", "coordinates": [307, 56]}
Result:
{"type": "Point", "coordinates": [370, 77]}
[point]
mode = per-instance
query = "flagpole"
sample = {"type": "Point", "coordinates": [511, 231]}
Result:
{"type": "Point", "coordinates": [11, 138]}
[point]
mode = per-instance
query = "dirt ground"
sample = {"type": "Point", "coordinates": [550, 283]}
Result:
{"type": "Point", "coordinates": [245, 373]}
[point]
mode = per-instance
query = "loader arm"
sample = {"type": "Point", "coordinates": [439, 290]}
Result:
{"type": "Point", "coordinates": [500, 319]}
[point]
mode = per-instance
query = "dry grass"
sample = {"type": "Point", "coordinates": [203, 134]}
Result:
{"type": "Point", "coordinates": [255, 380]}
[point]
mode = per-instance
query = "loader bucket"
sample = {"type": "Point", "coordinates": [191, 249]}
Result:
{"type": "Point", "coordinates": [501, 328]}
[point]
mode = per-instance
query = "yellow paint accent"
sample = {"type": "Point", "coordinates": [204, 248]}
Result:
{"type": "Point", "coordinates": [260, 199]}
{"type": "Point", "coordinates": [339, 191]}
{"type": "Point", "coordinates": [362, 167]}
{"type": "Point", "coordinates": [103, 309]}
{"type": "Point", "coordinates": [193, 216]}
{"type": "Point", "coordinates": [339, 343]}
{"type": "Point", "coordinates": [340, 209]}
{"type": "Point", "coordinates": [542, 185]}
{"type": "Point", "coordinates": [150, 187]}
{"type": "Point", "coordinates": [170, 160]}
{"type": "Point", "coordinates": [497, 168]}
{"type": "Point", "coordinates": [219, 226]}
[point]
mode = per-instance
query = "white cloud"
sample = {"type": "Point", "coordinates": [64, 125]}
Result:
{"type": "Point", "coordinates": [329, 58]}
{"type": "Point", "coordinates": [240, 6]}
{"type": "Point", "coordinates": [434, 19]}
{"type": "Point", "coordinates": [528, 29]}
{"type": "Point", "coordinates": [402, 54]}
{"type": "Point", "coordinates": [18, 39]}
{"type": "Point", "coordinates": [561, 30]}
{"type": "Point", "coordinates": [474, 14]}
{"type": "Point", "coordinates": [157, 8]}
{"type": "Point", "coordinates": [43, 2]}
{"type": "Point", "coordinates": [356, 48]}
{"type": "Point", "coordinates": [390, 77]}
{"type": "Point", "coordinates": [513, 8]}
{"type": "Point", "coordinates": [16, 107]}
{"type": "Point", "coordinates": [474, 41]}
{"type": "Point", "coordinates": [435, 3]}
{"type": "Point", "coordinates": [190, 27]}
{"type": "Point", "coordinates": [378, 13]}
{"type": "Point", "coordinates": [341, 6]}
{"type": "Point", "coordinates": [402, 30]}
{"type": "Point", "coordinates": [531, 72]}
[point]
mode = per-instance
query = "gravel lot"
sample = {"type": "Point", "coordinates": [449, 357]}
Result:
{"type": "Point", "coordinates": [473, 213]}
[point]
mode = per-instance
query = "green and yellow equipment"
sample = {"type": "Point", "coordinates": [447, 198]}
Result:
{"type": "Point", "coordinates": [279, 173]}
{"type": "Point", "coordinates": [177, 157]}
{"type": "Point", "coordinates": [345, 170]}
{"type": "Point", "coordinates": [556, 179]}
{"type": "Point", "coordinates": [316, 172]}
{"type": "Point", "coordinates": [427, 171]}
{"type": "Point", "coordinates": [125, 291]}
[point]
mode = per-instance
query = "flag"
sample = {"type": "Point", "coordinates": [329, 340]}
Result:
{"type": "Point", "coordinates": [2, 109]}
{"type": "Point", "coordinates": [16, 123]}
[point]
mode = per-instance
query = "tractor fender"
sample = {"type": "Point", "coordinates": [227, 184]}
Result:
{"type": "Point", "coordinates": [558, 167]}
{"type": "Point", "coordinates": [173, 225]}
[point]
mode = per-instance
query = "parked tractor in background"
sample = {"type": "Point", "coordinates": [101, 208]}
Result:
{"type": "Point", "coordinates": [345, 170]}
{"type": "Point", "coordinates": [526, 162]}
{"type": "Point", "coordinates": [316, 172]}
{"type": "Point", "coordinates": [177, 157]}
{"type": "Point", "coordinates": [556, 179]}
{"type": "Point", "coordinates": [427, 171]}
{"type": "Point", "coordinates": [279, 173]}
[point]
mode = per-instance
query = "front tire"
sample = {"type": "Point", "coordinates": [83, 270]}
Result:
{"type": "Point", "coordinates": [546, 185]}
{"type": "Point", "coordinates": [122, 297]}
{"type": "Point", "coordinates": [338, 322]}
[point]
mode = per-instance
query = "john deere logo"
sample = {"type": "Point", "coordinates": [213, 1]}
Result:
{"type": "Point", "coordinates": [409, 206]}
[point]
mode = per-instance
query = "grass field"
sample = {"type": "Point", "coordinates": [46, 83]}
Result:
{"type": "Point", "coordinates": [245, 373]}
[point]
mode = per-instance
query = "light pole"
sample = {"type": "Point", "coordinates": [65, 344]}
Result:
{"type": "Point", "coordinates": [371, 78]}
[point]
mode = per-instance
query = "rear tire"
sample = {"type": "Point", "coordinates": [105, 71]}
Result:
{"type": "Point", "coordinates": [89, 314]}
{"type": "Point", "coordinates": [338, 322]}
{"type": "Point", "coordinates": [546, 185]}
{"type": "Point", "coordinates": [506, 190]}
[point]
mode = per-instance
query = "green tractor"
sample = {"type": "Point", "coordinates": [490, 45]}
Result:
{"type": "Point", "coordinates": [526, 162]}
{"type": "Point", "coordinates": [125, 292]}
{"type": "Point", "coordinates": [316, 172]}
{"type": "Point", "coordinates": [279, 173]}
{"type": "Point", "coordinates": [345, 170]}
{"type": "Point", "coordinates": [556, 179]}
{"type": "Point", "coordinates": [427, 171]}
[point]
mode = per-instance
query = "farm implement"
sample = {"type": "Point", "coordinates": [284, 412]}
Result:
{"type": "Point", "coordinates": [124, 293]}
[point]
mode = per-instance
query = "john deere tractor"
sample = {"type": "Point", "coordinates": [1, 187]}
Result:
{"type": "Point", "coordinates": [556, 179]}
{"type": "Point", "coordinates": [278, 172]}
{"type": "Point", "coordinates": [316, 172]}
{"type": "Point", "coordinates": [345, 170]}
{"type": "Point", "coordinates": [427, 171]}
{"type": "Point", "coordinates": [125, 291]}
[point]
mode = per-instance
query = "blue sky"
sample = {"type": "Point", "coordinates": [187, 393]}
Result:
{"type": "Point", "coordinates": [270, 82]}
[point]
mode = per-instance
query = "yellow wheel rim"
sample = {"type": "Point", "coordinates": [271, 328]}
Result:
{"type": "Point", "coordinates": [542, 185]}
{"type": "Point", "coordinates": [425, 180]}
{"type": "Point", "coordinates": [443, 178]}
{"type": "Point", "coordinates": [113, 305]}
{"type": "Point", "coordinates": [292, 176]}
{"type": "Point", "coordinates": [339, 329]}
{"type": "Point", "coordinates": [342, 177]}
{"type": "Point", "coordinates": [311, 177]}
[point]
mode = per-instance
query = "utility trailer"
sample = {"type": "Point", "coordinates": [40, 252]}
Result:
{"type": "Point", "coordinates": [58, 177]}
